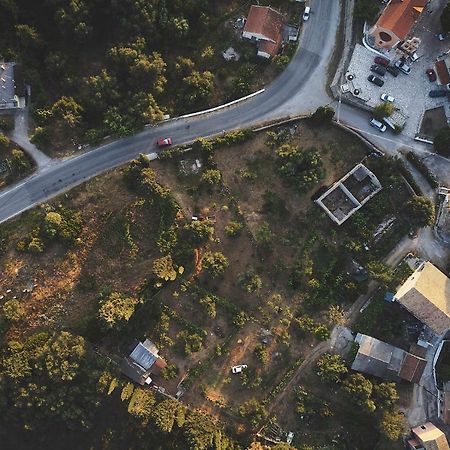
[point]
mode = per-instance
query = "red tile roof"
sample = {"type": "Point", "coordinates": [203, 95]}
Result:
{"type": "Point", "coordinates": [400, 15]}
{"type": "Point", "coordinates": [412, 368]}
{"type": "Point", "coordinates": [267, 22]}
{"type": "Point", "coordinates": [442, 71]}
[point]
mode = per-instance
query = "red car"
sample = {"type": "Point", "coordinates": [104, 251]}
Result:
{"type": "Point", "coordinates": [164, 142]}
{"type": "Point", "coordinates": [431, 74]}
{"type": "Point", "coordinates": [381, 61]}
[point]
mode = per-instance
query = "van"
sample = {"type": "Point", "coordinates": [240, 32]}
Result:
{"type": "Point", "coordinates": [306, 13]}
{"type": "Point", "coordinates": [378, 125]}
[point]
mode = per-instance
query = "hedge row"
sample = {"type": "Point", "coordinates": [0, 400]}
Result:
{"type": "Point", "coordinates": [408, 176]}
{"type": "Point", "coordinates": [422, 168]}
{"type": "Point", "coordinates": [283, 382]}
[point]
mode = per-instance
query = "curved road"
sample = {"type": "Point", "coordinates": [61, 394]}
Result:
{"type": "Point", "coordinates": [299, 89]}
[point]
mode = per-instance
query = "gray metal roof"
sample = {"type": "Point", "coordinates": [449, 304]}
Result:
{"type": "Point", "coordinates": [142, 356]}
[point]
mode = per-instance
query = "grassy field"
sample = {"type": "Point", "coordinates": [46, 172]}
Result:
{"type": "Point", "coordinates": [288, 261]}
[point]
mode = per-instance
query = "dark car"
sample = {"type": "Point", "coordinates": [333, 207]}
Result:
{"type": "Point", "coordinates": [438, 93]}
{"type": "Point", "coordinates": [381, 61]}
{"type": "Point", "coordinates": [380, 70]}
{"type": "Point", "coordinates": [393, 70]}
{"type": "Point", "coordinates": [431, 74]}
{"type": "Point", "coordinates": [375, 80]}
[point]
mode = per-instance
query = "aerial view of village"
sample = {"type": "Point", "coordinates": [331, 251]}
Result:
{"type": "Point", "coordinates": [225, 224]}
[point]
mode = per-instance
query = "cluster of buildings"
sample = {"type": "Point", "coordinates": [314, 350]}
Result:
{"type": "Point", "coordinates": [8, 97]}
{"type": "Point", "coordinates": [394, 31]}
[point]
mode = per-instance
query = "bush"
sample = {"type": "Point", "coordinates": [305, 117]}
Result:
{"type": "Point", "coordinates": [214, 263]}
{"type": "Point", "coordinates": [233, 228]}
{"type": "Point", "coordinates": [420, 211]}
{"type": "Point", "coordinates": [323, 115]}
{"type": "Point", "coordinates": [261, 353]}
{"type": "Point", "coordinates": [13, 311]}
{"type": "Point", "coordinates": [445, 18]}
{"type": "Point", "coordinates": [383, 110]}
{"type": "Point", "coordinates": [209, 303]}
{"type": "Point", "coordinates": [250, 281]}
{"type": "Point", "coordinates": [4, 142]}
{"type": "Point", "coordinates": [19, 161]}
{"type": "Point", "coordinates": [200, 230]}
{"type": "Point", "coordinates": [423, 169]}
{"type": "Point", "coordinates": [211, 177]}
{"type": "Point", "coordinates": [170, 372]}
{"type": "Point", "coordinates": [441, 141]}
{"type": "Point", "coordinates": [6, 123]}
{"type": "Point", "coordinates": [322, 333]}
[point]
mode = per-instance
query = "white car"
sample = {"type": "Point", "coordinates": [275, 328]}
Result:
{"type": "Point", "coordinates": [306, 13]}
{"type": "Point", "coordinates": [387, 98]}
{"type": "Point", "coordinates": [239, 368]}
{"type": "Point", "coordinates": [378, 125]}
{"type": "Point", "coordinates": [403, 67]}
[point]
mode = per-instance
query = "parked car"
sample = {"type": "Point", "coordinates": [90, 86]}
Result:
{"type": "Point", "coordinates": [375, 80]}
{"type": "Point", "coordinates": [442, 36]}
{"type": "Point", "coordinates": [239, 368]}
{"type": "Point", "coordinates": [431, 74]}
{"type": "Point", "coordinates": [414, 57]}
{"type": "Point", "coordinates": [164, 142]}
{"type": "Point", "coordinates": [387, 98]}
{"type": "Point", "coordinates": [306, 13]}
{"type": "Point", "coordinates": [381, 61]}
{"type": "Point", "coordinates": [403, 67]}
{"type": "Point", "coordinates": [380, 70]}
{"type": "Point", "coordinates": [393, 70]}
{"type": "Point", "coordinates": [378, 125]}
{"type": "Point", "coordinates": [438, 93]}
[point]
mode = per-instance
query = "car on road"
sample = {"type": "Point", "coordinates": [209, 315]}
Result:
{"type": "Point", "coordinates": [378, 125]}
{"type": "Point", "coordinates": [393, 70]}
{"type": "Point", "coordinates": [380, 70]}
{"type": "Point", "coordinates": [438, 93]}
{"type": "Point", "coordinates": [375, 80]}
{"type": "Point", "coordinates": [431, 74]}
{"type": "Point", "coordinates": [306, 13]}
{"type": "Point", "coordinates": [381, 61]}
{"type": "Point", "coordinates": [165, 142]}
{"type": "Point", "coordinates": [387, 98]}
{"type": "Point", "coordinates": [239, 368]}
{"type": "Point", "coordinates": [403, 67]}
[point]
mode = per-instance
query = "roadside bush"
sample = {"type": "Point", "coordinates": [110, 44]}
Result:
{"type": "Point", "coordinates": [19, 161]}
{"type": "Point", "coordinates": [423, 169]}
{"type": "Point", "coordinates": [420, 211]}
{"type": "Point", "coordinates": [13, 311]}
{"type": "Point", "coordinates": [323, 115]}
{"type": "Point", "coordinates": [4, 142]}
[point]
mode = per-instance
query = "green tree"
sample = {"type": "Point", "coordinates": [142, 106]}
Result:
{"type": "Point", "coordinates": [365, 11]}
{"type": "Point", "coordinates": [261, 353]}
{"type": "Point", "coordinates": [198, 86]}
{"type": "Point", "coordinates": [200, 230]}
{"type": "Point", "coordinates": [336, 315]}
{"type": "Point", "coordinates": [322, 115]}
{"type": "Point", "coordinates": [441, 141]}
{"type": "Point", "coordinates": [211, 177]}
{"type": "Point", "coordinates": [165, 414]}
{"type": "Point", "coordinates": [359, 390]}
{"type": "Point", "coordinates": [214, 263]}
{"type": "Point", "coordinates": [19, 161]}
{"type": "Point", "coordinates": [233, 228]}
{"type": "Point", "coordinates": [381, 272]}
{"type": "Point", "coordinates": [179, 26]}
{"type": "Point", "coordinates": [164, 268]}
{"type": "Point", "coordinates": [67, 111]}
{"type": "Point", "coordinates": [322, 332]}
{"type": "Point", "coordinates": [4, 142]}
{"type": "Point", "coordinates": [142, 404]}
{"type": "Point", "coordinates": [445, 20]}
{"type": "Point", "coordinates": [254, 412]}
{"type": "Point", "coordinates": [200, 430]}
{"type": "Point", "coordinates": [420, 211]}
{"type": "Point", "coordinates": [383, 110]}
{"type": "Point", "coordinates": [250, 281]}
{"type": "Point", "coordinates": [331, 368]}
{"type": "Point", "coordinates": [209, 304]}
{"type": "Point", "coordinates": [385, 395]}
{"type": "Point", "coordinates": [13, 311]}
{"type": "Point", "coordinates": [116, 310]}
{"type": "Point", "coordinates": [392, 424]}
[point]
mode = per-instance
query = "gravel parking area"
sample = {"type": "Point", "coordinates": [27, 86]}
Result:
{"type": "Point", "coordinates": [410, 91]}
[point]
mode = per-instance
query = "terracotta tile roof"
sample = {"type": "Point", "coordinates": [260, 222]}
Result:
{"type": "Point", "coordinates": [442, 72]}
{"type": "Point", "coordinates": [269, 47]}
{"type": "Point", "coordinates": [412, 368]}
{"type": "Point", "coordinates": [400, 15]}
{"type": "Point", "coordinates": [265, 21]}
{"type": "Point", "coordinates": [426, 295]}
